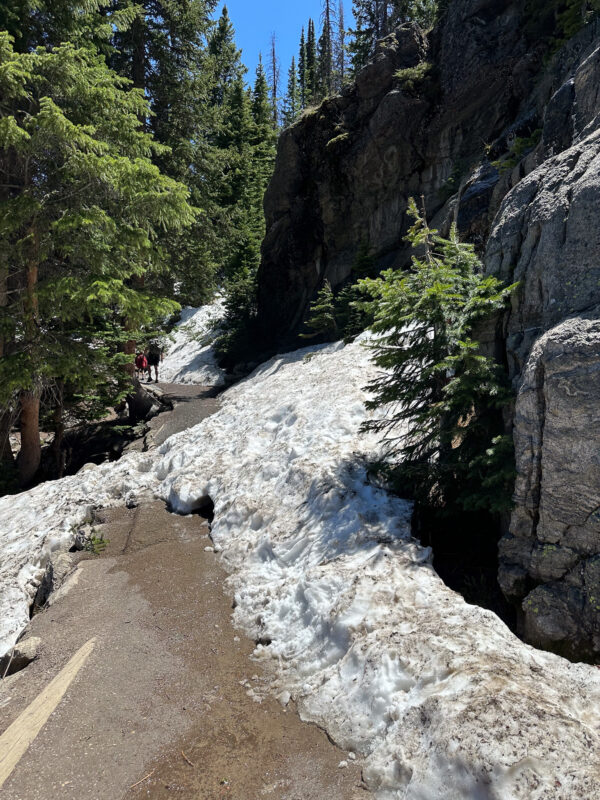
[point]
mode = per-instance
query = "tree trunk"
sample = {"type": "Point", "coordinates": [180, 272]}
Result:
{"type": "Point", "coordinates": [31, 451]}
{"type": "Point", "coordinates": [6, 454]}
{"type": "Point", "coordinates": [138, 66]}
{"type": "Point", "coordinates": [30, 456]}
{"type": "Point", "coordinates": [7, 458]}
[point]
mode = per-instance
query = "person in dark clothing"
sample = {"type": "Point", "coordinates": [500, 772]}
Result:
{"type": "Point", "coordinates": [155, 356]}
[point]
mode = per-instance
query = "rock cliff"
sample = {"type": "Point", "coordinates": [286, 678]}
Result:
{"type": "Point", "coordinates": [546, 236]}
{"type": "Point", "coordinates": [502, 135]}
{"type": "Point", "coordinates": [344, 172]}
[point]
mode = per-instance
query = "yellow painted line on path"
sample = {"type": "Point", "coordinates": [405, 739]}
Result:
{"type": "Point", "coordinates": [17, 737]}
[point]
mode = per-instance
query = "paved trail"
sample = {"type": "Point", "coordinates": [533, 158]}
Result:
{"type": "Point", "coordinates": [164, 698]}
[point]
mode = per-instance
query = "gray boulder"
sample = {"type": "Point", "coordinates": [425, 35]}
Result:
{"type": "Point", "coordinates": [550, 559]}
{"type": "Point", "coordinates": [547, 238]}
{"type": "Point", "coordinates": [24, 652]}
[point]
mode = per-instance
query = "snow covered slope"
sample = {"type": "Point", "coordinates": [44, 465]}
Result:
{"type": "Point", "coordinates": [443, 701]}
{"type": "Point", "coordinates": [190, 357]}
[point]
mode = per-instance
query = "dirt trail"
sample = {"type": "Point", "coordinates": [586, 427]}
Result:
{"type": "Point", "coordinates": [167, 691]}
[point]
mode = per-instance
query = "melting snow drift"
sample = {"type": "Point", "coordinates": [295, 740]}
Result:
{"type": "Point", "coordinates": [439, 696]}
{"type": "Point", "coordinates": [190, 357]}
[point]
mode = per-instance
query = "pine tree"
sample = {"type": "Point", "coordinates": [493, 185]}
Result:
{"type": "Point", "coordinates": [443, 427]}
{"type": "Point", "coordinates": [354, 313]}
{"type": "Point", "coordinates": [274, 79]}
{"type": "Point", "coordinates": [363, 35]}
{"type": "Point", "coordinates": [222, 119]}
{"type": "Point", "coordinates": [302, 82]}
{"type": "Point", "coordinates": [225, 58]}
{"type": "Point", "coordinates": [340, 50]}
{"type": "Point", "coordinates": [322, 319]}
{"type": "Point", "coordinates": [311, 65]}
{"type": "Point", "coordinates": [181, 60]}
{"type": "Point", "coordinates": [255, 168]}
{"type": "Point", "coordinates": [48, 23]}
{"type": "Point", "coordinates": [325, 64]}
{"type": "Point", "coordinates": [293, 103]}
{"type": "Point", "coordinates": [422, 11]}
{"type": "Point", "coordinates": [264, 144]}
{"type": "Point", "coordinates": [83, 218]}
{"type": "Point", "coordinates": [261, 106]}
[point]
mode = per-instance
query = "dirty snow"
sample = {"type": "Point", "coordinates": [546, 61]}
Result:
{"type": "Point", "coordinates": [441, 699]}
{"type": "Point", "coordinates": [189, 354]}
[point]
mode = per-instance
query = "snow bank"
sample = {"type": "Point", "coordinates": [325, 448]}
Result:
{"type": "Point", "coordinates": [190, 357]}
{"type": "Point", "coordinates": [442, 700]}
{"type": "Point", "coordinates": [44, 520]}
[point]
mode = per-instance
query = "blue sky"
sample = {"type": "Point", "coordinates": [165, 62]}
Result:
{"type": "Point", "coordinates": [256, 20]}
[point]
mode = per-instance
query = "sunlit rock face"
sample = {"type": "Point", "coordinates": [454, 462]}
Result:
{"type": "Point", "coordinates": [547, 237]}
{"type": "Point", "coordinates": [345, 171]}
{"type": "Point", "coordinates": [504, 140]}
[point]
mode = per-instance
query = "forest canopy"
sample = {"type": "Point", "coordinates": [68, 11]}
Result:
{"type": "Point", "coordinates": [134, 156]}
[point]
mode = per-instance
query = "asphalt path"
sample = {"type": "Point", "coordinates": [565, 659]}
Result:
{"type": "Point", "coordinates": [143, 688]}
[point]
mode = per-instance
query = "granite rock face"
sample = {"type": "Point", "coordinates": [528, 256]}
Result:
{"type": "Point", "coordinates": [550, 560]}
{"type": "Point", "coordinates": [547, 237]}
{"type": "Point", "coordinates": [345, 171]}
{"type": "Point", "coordinates": [505, 142]}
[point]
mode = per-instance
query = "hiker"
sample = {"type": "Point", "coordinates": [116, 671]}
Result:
{"type": "Point", "coordinates": [155, 356]}
{"type": "Point", "coordinates": [141, 365]}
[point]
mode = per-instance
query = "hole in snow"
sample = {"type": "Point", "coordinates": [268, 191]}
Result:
{"type": "Point", "coordinates": [203, 507]}
{"type": "Point", "coordinates": [264, 640]}
{"type": "Point", "coordinates": [465, 556]}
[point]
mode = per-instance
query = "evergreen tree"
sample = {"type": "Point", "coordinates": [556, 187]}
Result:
{"type": "Point", "coordinates": [364, 34]}
{"type": "Point", "coordinates": [422, 11]}
{"type": "Point", "coordinates": [254, 171]}
{"type": "Point", "coordinates": [293, 103]}
{"type": "Point", "coordinates": [302, 71]}
{"type": "Point", "coordinates": [311, 90]}
{"type": "Point", "coordinates": [354, 313]}
{"type": "Point", "coordinates": [261, 106]}
{"type": "Point", "coordinates": [237, 129]}
{"type": "Point", "coordinates": [444, 397]}
{"type": "Point", "coordinates": [225, 59]}
{"type": "Point", "coordinates": [322, 319]}
{"type": "Point", "coordinates": [340, 50]}
{"type": "Point", "coordinates": [264, 143]}
{"type": "Point", "coordinates": [214, 174]}
{"type": "Point", "coordinates": [182, 62]}
{"type": "Point", "coordinates": [83, 218]}
{"type": "Point", "coordinates": [274, 78]}
{"type": "Point", "coordinates": [48, 23]}
{"type": "Point", "coordinates": [325, 66]}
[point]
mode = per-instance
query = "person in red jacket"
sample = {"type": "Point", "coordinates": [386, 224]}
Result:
{"type": "Point", "coordinates": [141, 365]}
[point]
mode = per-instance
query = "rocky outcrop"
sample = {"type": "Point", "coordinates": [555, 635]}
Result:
{"type": "Point", "coordinates": [550, 560]}
{"type": "Point", "coordinates": [345, 171]}
{"type": "Point", "coordinates": [147, 401]}
{"type": "Point", "coordinates": [505, 142]}
{"type": "Point", "coordinates": [22, 654]}
{"type": "Point", "coordinates": [547, 237]}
